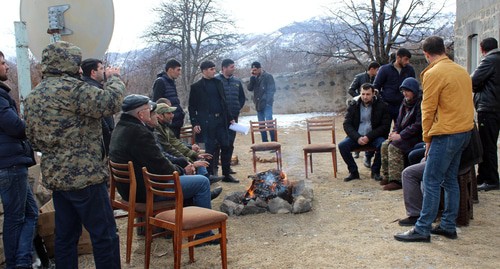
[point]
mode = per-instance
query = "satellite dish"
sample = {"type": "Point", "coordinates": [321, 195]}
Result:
{"type": "Point", "coordinates": [87, 24]}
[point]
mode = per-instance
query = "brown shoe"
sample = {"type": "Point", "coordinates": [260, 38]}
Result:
{"type": "Point", "coordinates": [384, 182]}
{"type": "Point", "coordinates": [392, 186]}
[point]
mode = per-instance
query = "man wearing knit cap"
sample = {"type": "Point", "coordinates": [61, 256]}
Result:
{"type": "Point", "coordinates": [263, 88]}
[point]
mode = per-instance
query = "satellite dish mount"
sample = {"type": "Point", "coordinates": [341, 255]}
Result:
{"type": "Point", "coordinates": [56, 22]}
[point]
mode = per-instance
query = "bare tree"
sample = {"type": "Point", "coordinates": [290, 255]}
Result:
{"type": "Point", "coordinates": [367, 30]}
{"type": "Point", "coordinates": [196, 30]}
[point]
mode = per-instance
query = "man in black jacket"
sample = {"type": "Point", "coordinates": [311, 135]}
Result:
{"type": "Point", "coordinates": [362, 78]}
{"type": "Point", "coordinates": [210, 117]}
{"type": "Point", "coordinates": [486, 88]}
{"type": "Point", "coordinates": [164, 86]}
{"type": "Point", "coordinates": [94, 74]}
{"type": "Point", "coordinates": [367, 122]}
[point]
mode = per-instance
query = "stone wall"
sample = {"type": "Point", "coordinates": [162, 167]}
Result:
{"type": "Point", "coordinates": [322, 90]}
{"type": "Point", "coordinates": [478, 17]}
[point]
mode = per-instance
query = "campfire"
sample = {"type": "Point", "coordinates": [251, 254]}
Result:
{"type": "Point", "coordinates": [268, 185]}
{"type": "Point", "coordinates": [270, 191]}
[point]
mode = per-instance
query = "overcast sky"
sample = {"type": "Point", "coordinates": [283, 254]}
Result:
{"type": "Point", "coordinates": [132, 17]}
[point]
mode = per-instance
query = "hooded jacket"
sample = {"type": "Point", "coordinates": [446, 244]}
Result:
{"type": "Point", "coordinates": [63, 115]}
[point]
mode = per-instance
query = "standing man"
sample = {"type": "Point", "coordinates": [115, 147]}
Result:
{"type": "Point", "coordinates": [164, 86]}
{"type": "Point", "coordinates": [235, 100]}
{"type": "Point", "coordinates": [354, 89]}
{"type": "Point", "coordinates": [486, 88]}
{"type": "Point", "coordinates": [447, 119]}
{"type": "Point", "coordinates": [389, 79]}
{"type": "Point", "coordinates": [210, 117]}
{"type": "Point", "coordinates": [367, 122]}
{"type": "Point", "coordinates": [362, 78]}
{"type": "Point", "coordinates": [19, 206]}
{"type": "Point", "coordinates": [263, 88]}
{"type": "Point", "coordinates": [63, 115]}
{"type": "Point", "coordinates": [93, 74]}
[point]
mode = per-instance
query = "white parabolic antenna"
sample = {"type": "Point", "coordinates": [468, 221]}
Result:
{"type": "Point", "coordinates": [87, 24]}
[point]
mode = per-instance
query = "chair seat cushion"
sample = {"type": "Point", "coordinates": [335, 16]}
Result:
{"type": "Point", "coordinates": [194, 217]}
{"type": "Point", "coordinates": [326, 147]}
{"type": "Point", "coordinates": [266, 146]}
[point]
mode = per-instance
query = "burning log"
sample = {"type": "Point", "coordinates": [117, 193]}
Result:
{"type": "Point", "coordinates": [268, 185]}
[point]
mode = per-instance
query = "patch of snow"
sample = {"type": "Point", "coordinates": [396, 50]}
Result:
{"type": "Point", "coordinates": [288, 120]}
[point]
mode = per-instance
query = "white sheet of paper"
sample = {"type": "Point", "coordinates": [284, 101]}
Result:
{"type": "Point", "coordinates": [239, 128]}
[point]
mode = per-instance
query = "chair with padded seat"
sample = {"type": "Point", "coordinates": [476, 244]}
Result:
{"type": "Point", "coordinates": [275, 146]}
{"type": "Point", "coordinates": [184, 222]}
{"type": "Point", "coordinates": [320, 125]}
{"type": "Point", "coordinates": [124, 173]}
{"type": "Point", "coordinates": [187, 134]}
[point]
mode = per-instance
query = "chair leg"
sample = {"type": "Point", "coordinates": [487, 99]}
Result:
{"type": "Point", "coordinates": [280, 164]}
{"type": "Point", "coordinates": [305, 161]}
{"type": "Point", "coordinates": [311, 161]}
{"type": "Point", "coordinates": [130, 234]}
{"type": "Point", "coordinates": [191, 250]}
{"type": "Point", "coordinates": [334, 160]}
{"type": "Point", "coordinates": [254, 159]}
{"type": "Point", "coordinates": [177, 250]}
{"type": "Point", "coordinates": [223, 245]}
{"type": "Point", "coordinates": [147, 244]}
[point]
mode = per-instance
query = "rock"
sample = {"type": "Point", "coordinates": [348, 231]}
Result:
{"type": "Point", "coordinates": [279, 206]}
{"type": "Point", "coordinates": [302, 205]}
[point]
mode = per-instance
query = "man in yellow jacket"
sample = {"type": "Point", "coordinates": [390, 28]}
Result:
{"type": "Point", "coordinates": [447, 119]}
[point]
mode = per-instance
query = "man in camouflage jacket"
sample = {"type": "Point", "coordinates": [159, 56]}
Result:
{"type": "Point", "coordinates": [63, 115]}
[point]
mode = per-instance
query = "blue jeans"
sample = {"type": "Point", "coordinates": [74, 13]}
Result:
{"type": "Point", "coordinates": [196, 187]}
{"type": "Point", "coordinates": [91, 207]}
{"type": "Point", "coordinates": [20, 216]}
{"type": "Point", "coordinates": [441, 170]}
{"type": "Point", "coordinates": [347, 145]}
{"type": "Point", "coordinates": [266, 114]}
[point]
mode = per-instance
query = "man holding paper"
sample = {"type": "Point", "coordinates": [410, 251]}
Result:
{"type": "Point", "coordinates": [210, 117]}
{"type": "Point", "coordinates": [235, 100]}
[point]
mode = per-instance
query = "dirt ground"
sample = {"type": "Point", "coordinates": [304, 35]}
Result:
{"type": "Point", "coordinates": [351, 225]}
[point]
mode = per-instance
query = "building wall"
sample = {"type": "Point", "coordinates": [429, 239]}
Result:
{"type": "Point", "coordinates": [478, 17]}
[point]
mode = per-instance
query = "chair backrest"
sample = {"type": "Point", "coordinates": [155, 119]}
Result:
{"type": "Point", "coordinates": [122, 173]}
{"type": "Point", "coordinates": [314, 125]}
{"type": "Point", "coordinates": [263, 126]}
{"type": "Point", "coordinates": [168, 186]}
{"type": "Point", "coordinates": [187, 134]}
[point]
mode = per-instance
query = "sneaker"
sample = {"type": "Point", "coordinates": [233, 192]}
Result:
{"type": "Point", "coordinates": [351, 176]}
{"type": "Point", "coordinates": [409, 221]}
{"type": "Point", "coordinates": [439, 231]}
{"type": "Point", "coordinates": [230, 179]}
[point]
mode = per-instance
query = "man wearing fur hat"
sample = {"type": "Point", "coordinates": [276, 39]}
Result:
{"type": "Point", "coordinates": [63, 115]}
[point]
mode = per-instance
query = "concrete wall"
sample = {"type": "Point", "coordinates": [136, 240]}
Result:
{"type": "Point", "coordinates": [478, 17]}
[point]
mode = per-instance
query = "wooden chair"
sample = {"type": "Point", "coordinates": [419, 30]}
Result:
{"type": "Point", "coordinates": [315, 125]}
{"type": "Point", "coordinates": [124, 173]}
{"type": "Point", "coordinates": [265, 126]}
{"type": "Point", "coordinates": [187, 134]}
{"type": "Point", "coordinates": [182, 221]}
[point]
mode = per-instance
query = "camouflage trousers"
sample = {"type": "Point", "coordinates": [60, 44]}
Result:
{"type": "Point", "coordinates": [392, 162]}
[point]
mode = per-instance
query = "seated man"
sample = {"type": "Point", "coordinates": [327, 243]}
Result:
{"type": "Point", "coordinates": [366, 123]}
{"type": "Point", "coordinates": [406, 133]}
{"type": "Point", "coordinates": [133, 141]}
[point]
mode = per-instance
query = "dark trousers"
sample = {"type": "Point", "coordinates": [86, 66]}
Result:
{"type": "Point", "coordinates": [217, 136]}
{"type": "Point", "coordinates": [394, 111]}
{"type": "Point", "coordinates": [91, 207]}
{"type": "Point", "coordinates": [232, 138]}
{"type": "Point", "coordinates": [489, 124]}
{"type": "Point", "coordinates": [347, 145]}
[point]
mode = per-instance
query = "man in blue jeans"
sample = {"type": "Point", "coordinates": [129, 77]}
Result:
{"type": "Point", "coordinates": [447, 119]}
{"type": "Point", "coordinates": [63, 115]}
{"type": "Point", "coordinates": [19, 206]}
{"type": "Point", "coordinates": [263, 88]}
{"type": "Point", "coordinates": [367, 123]}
